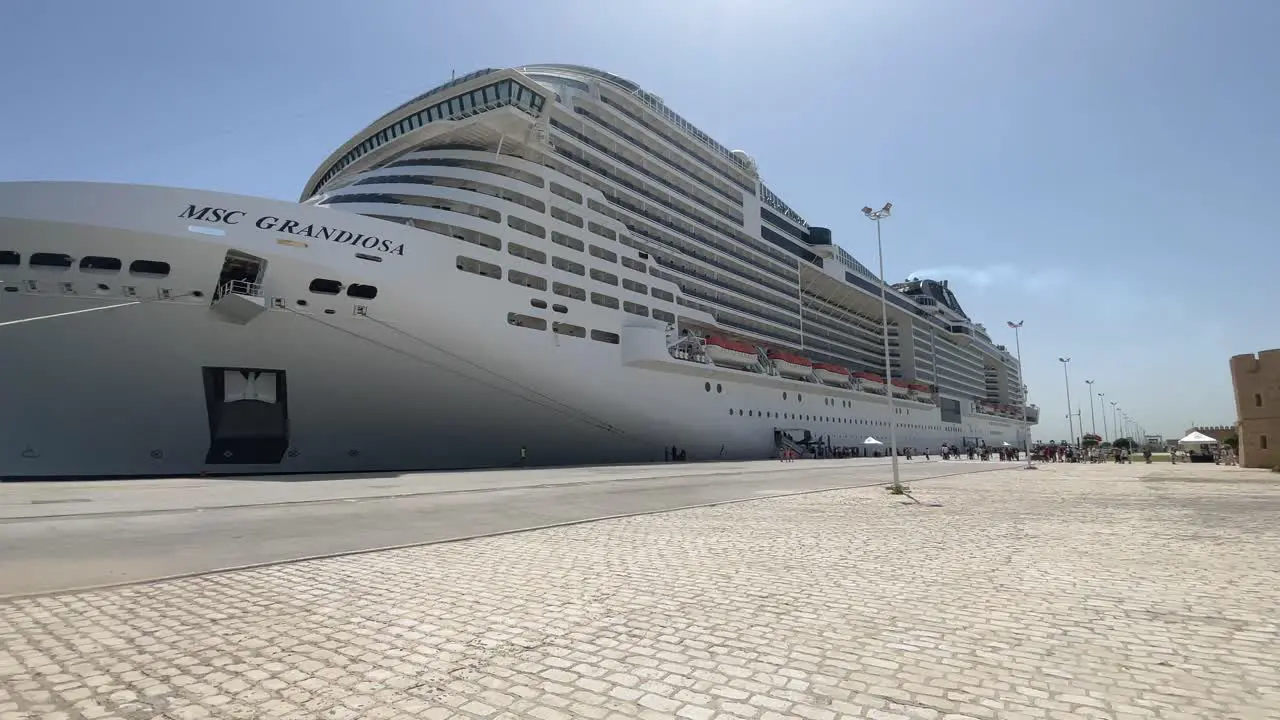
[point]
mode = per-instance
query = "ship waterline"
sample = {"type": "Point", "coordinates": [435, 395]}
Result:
{"type": "Point", "coordinates": [450, 300]}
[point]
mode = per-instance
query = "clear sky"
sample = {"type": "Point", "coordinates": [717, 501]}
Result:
{"type": "Point", "coordinates": [1098, 168]}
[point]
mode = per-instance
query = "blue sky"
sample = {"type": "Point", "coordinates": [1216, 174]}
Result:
{"type": "Point", "coordinates": [1094, 168]}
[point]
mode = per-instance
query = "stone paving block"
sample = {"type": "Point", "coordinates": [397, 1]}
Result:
{"type": "Point", "coordinates": [1070, 592]}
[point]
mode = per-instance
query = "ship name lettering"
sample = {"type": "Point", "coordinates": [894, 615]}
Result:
{"type": "Point", "coordinates": [212, 214]}
{"type": "Point", "coordinates": [293, 227]}
{"type": "Point", "coordinates": [323, 232]}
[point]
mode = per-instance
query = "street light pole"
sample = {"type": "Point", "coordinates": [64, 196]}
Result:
{"type": "Point", "coordinates": [1115, 419]}
{"type": "Point", "coordinates": [1103, 403]}
{"type": "Point", "coordinates": [1071, 433]}
{"type": "Point", "coordinates": [1026, 434]}
{"type": "Point", "coordinates": [1093, 421]}
{"type": "Point", "coordinates": [876, 216]}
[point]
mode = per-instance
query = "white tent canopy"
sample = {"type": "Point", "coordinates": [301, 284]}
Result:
{"type": "Point", "coordinates": [1197, 438]}
{"type": "Point", "coordinates": [871, 441]}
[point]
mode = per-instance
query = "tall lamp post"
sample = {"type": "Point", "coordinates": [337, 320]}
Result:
{"type": "Point", "coordinates": [1026, 434]}
{"type": "Point", "coordinates": [1115, 419]}
{"type": "Point", "coordinates": [1103, 402]}
{"type": "Point", "coordinates": [1071, 433]}
{"type": "Point", "coordinates": [1093, 421]}
{"type": "Point", "coordinates": [876, 216]}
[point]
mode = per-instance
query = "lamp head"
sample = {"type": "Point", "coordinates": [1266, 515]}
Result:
{"type": "Point", "coordinates": [867, 211]}
{"type": "Point", "coordinates": [887, 207]}
{"type": "Point", "coordinates": [1064, 360]}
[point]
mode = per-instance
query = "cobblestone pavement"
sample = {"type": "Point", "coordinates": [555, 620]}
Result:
{"type": "Point", "coordinates": [1071, 592]}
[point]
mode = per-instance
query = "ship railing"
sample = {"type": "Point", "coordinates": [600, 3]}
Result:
{"type": "Point", "coordinates": [238, 287]}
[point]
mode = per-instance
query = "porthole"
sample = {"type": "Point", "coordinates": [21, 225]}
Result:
{"type": "Point", "coordinates": [784, 394]}
{"type": "Point", "coordinates": [365, 292]}
{"type": "Point", "coordinates": [540, 304]}
{"type": "Point", "coordinates": [100, 264]}
{"type": "Point", "coordinates": [197, 293]}
{"type": "Point", "coordinates": [301, 302]}
{"type": "Point", "coordinates": [149, 268]}
{"type": "Point", "coordinates": [719, 388]}
{"type": "Point", "coordinates": [325, 287]}
{"type": "Point", "coordinates": [799, 397]}
{"type": "Point", "coordinates": [328, 311]}
{"type": "Point", "coordinates": [60, 261]}
{"type": "Point", "coordinates": [707, 387]}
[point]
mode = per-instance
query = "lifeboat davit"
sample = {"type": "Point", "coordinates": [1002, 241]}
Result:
{"type": "Point", "coordinates": [899, 387]}
{"type": "Point", "coordinates": [869, 382]}
{"type": "Point", "coordinates": [920, 392]}
{"type": "Point", "coordinates": [730, 353]}
{"type": "Point", "coordinates": [791, 365]}
{"type": "Point", "coordinates": [831, 374]}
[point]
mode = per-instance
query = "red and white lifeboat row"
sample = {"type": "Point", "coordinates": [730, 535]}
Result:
{"type": "Point", "coordinates": [991, 408]}
{"type": "Point", "coordinates": [730, 353]}
{"type": "Point", "coordinates": [791, 365]}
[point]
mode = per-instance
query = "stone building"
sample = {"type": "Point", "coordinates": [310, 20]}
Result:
{"type": "Point", "coordinates": [1256, 379]}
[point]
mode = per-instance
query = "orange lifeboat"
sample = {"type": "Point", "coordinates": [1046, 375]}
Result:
{"type": "Point", "coordinates": [791, 365]}
{"type": "Point", "coordinates": [728, 352]}
{"type": "Point", "coordinates": [831, 374]}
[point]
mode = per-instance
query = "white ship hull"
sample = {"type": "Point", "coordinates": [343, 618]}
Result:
{"type": "Point", "coordinates": [432, 375]}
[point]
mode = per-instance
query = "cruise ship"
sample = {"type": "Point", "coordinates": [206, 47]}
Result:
{"type": "Point", "coordinates": [536, 265]}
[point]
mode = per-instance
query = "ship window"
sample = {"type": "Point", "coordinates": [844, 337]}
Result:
{"type": "Point", "coordinates": [149, 268]}
{"type": "Point", "coordinates": [605, 337]}
{"type": "Point", "coordinates": [560, 263]}
{"type": "Point", "coordinates": [538, 303]}
{"type": "Point", "coordinates": [569, 291]}
{"type": "Point", "coordinates": [635, 309]}
{"type": "Point", "coordinates": [367, 292]}
{"type": "Point", "coordinates": [604, 300]}
{"type": "Point", "coordinates": [633, 264]}
{"type": "Point", "coordinates": [1262, 442]}
{"type": "Point", "coordinates": [604, 277]}
{"type": "Point", "coordinates": [1257, 399]}
{"type": "Point", "coordinates": [602, 231]}
{"type": "Point", "coordinates": [707, 387]}
{"type": "Point", "coordinates": [560, 308]}
{"type": "Point", "coordinates": [607, 255]}
{"type": "Point", "coordinates": [461, 233]}
{"type": "Point", "coordinates": [569, 242]}
{"type": "Point", "coordinates": [565, 216]}
{"type": "Point", "coordinates": [479, 267]}
{"type": "Point", "coordinates": [571, 330]}
{"type": "Point", "coordinates": [527, 253]}
{"type": "Point", "coordinates": [9, 257]}
{"type": "Point", "coordinates": [325, 287]}
{"type": "Point", "coordinates": [50, 260]}
{"type": "Point", "coordinates": [526, 227]}
{"type": "Point", "coordinates": [526, 321]}
{"type": "Point", "coordinates": [566, 193]}
{"type": "Point", "coordinates": [527, 280]}
{"type": "Point", "coordinates": [634, 286]}
{"type": "Point", "coordinates": [663, 315]}
{"type": "Point", "coordinates": [100, 264]}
